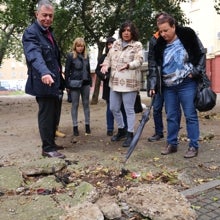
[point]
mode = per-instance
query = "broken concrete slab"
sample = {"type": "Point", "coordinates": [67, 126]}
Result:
{"type": "Point", "coordinates": [159, 202]}
{"type": "Point", "coordinates": [43, 166]}
{"type": "Point", "coordinates": [10, 178]}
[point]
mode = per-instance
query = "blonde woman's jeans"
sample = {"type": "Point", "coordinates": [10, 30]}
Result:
{"type": "Point", "coordinates": [84, 92]}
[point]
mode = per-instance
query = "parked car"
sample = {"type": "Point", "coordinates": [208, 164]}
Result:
{"type": "Point", "coordinates": [3, 88]}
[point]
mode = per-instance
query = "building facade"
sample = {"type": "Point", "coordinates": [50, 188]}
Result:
{"type": "Point", "coordinates": [206, 23]}
{"type": "Point", "coordinates": [203, 19]}
{"type": "Point", "coordinates": [13, 74]}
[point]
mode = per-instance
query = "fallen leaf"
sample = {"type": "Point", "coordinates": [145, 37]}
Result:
{"type": "Point", "coordinates": [195, 207]}
{"type": "Point", "coordinates": [156, 158]}
{"type": "Point", "coordinates": [213, 167]}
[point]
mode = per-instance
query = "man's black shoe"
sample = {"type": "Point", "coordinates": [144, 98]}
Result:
{"type": "Point", "coordinates": [191, 152]}
{"type": "Point", "coordinates": [53, 154]}
{"type": "Point", "coordinates": [109, 133]}
{"type": "Point", "coordinates": [169, 149]}
{"type": "Point", "coordinates": [155, 137]}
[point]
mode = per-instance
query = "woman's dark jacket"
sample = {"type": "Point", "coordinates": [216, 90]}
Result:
{"type": "Point", "coordinates": [104, 78]}
{"type": "Point", "coordinates": [194, 48]}
{"type": "Point", "coordinates": [42, 58]}
{"type": "Point", "coordinates": [77, 68]}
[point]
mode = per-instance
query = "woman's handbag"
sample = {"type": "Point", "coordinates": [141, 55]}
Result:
{"type": "Point", "coordinates": [205, 98]}
{"type": "Point", "coordinates": [74, 84]}
{"type": "Point", "coordinates": [137, 105]}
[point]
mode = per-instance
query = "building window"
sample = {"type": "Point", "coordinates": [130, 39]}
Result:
{"type": "Point", "coordinates": [13, 74]}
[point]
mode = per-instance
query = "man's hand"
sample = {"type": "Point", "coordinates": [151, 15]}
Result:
{"type": "Point", "coordinates": [151, 92]}
{"type": "Point", "coordinates": [190, 75]}
{"type": "Point", "coordinates": [47, 79]}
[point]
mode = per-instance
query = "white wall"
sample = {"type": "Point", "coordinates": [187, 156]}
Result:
{"type": "Point", "coordinates": [205, 21]}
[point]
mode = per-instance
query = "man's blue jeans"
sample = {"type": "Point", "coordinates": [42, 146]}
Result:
{"type": "Point", "coordinates": [109, 118]}
{"type": "Point", "coordinates": [158, 114]}
{"type": "Point", "coordinates": [174, 96]}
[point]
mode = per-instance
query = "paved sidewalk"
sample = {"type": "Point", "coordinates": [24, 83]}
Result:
{"type": "Point", "coordinates": [205, 199]}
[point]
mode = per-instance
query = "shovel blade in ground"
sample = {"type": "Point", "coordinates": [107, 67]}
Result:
{"type": "Point", "coordinates": [145, 118]}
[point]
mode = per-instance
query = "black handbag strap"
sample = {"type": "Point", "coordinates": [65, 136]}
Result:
{"type": "Point", "coordinates": [204, 81]}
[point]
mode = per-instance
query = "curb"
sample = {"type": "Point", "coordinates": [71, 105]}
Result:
{"type": "Point", "coordinates": [201, 188]}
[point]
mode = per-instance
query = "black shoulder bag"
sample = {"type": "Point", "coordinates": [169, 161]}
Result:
{"type": "Point", "coordinates": [205, 98]}
{"type": "Point", "coordinates": [74, 83]}
{"type": "Point", "coordinates": [137, 105]}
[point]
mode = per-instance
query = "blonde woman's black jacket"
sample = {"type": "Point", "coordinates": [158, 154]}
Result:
{"type": "Point", "coordinates": [194, 48]}
{"type": "Point", "coordinates": [77, 68]}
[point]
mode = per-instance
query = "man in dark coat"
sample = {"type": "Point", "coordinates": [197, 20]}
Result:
{"type": "Point", "coordinates": [44, 75]}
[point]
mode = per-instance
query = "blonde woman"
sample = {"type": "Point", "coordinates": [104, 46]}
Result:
{"type": "Point", "coordinates": [78, 81]}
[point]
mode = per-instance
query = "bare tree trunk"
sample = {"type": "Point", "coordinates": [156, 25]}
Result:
{"type": "Point", "coordinates": [95, 96]}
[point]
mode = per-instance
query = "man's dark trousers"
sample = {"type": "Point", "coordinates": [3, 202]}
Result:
{"type": "Point", "coordinates": [47, 116]}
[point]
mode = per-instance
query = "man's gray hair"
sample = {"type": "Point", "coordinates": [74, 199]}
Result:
{"type": "Point", "coordinates": [45, 3]}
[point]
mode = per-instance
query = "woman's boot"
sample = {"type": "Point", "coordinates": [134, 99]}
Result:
{"type": "Point", "coordinates": [75, 131]}
{"type": "Point", "coordinates": [120, 135]}
{"type": "Point", "coordinates": [128, 140]}
{"type": "Point", "coordinates": [88, 131]}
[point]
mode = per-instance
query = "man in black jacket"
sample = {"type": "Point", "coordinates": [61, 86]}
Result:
{"type": "Point", "coordinates": [158, 100]}
{"type": "Point", "coordinates": [44, 75]}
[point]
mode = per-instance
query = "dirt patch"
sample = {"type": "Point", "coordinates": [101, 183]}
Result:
{"type": "Point", "coordinates": [20, 142]}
